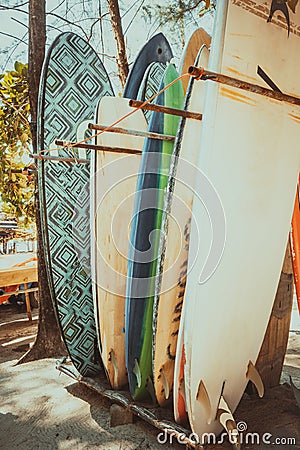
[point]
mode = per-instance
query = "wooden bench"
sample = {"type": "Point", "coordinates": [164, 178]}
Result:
{"type": "Point", "coordinates": [20, 275]}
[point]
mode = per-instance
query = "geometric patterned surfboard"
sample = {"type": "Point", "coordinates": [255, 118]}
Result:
{"type": "Point", "coordinates": [150, 84]}
{"type": "Point", "coordinates": [156, 49]}
{"type": "Point", "coordinates": [73, 82]}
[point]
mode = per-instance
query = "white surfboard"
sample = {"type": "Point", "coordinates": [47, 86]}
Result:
{"type": "Point", "coordinates": [249, 150]}
{"type": "Point", "coordinates": [173, 253]}
{"type": "Point", "coordinates": [113, 188]}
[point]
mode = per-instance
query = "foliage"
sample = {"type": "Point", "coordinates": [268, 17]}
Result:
{"type": "Point", "coordinates": [16, 189]}
{"type": "Point", "coordinates": [174, 12]}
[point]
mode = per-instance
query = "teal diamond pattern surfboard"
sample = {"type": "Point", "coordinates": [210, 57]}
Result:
{"type": "Point", "coordinates": [73, 82]}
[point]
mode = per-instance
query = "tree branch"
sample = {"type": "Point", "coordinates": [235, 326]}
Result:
{"type": "Point", "coordinates": [3, 7]}
{"type": "Point", "coordinates": [13, 37]}
{"type": "Point", "coordinates": [134, 16]}
{"type": "Point", "coordinates": [21, 23]}
{"type": "Point", "coordinates": [101, 28]}
{"type": "Point", "coordinates": [69, 22]}
{"type": "Point", "coordinates": [21, 41]}
{"type": "Point", "coordinates": [94, 23]}
{"type": "Point", "coordinates": [56, 7]}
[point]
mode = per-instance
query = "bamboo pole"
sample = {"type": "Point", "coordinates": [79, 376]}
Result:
{"type": "Point", "coordinates": [102, 148]}
{"type": "Point", "coordinates": [163, 137]}
{"type": "Point", "coordinates": [165, 110]}
{"type": "Point", "coordinates": [202, 74]}
{"type": "Point", "coordinates": [60, 159]}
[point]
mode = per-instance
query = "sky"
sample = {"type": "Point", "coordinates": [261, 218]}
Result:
{"type": "Point", "coordinates": [137, 31]}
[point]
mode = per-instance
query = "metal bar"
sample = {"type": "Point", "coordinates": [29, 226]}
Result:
{"type": "Point", "coordinates": [58, 158]}
{"type": "Point", "coordinates": [19, 291]}
{"type": "Point", "coordinates": [202, 74]}
{"type": "Point", "coordinates": [103, 148]}
{"type": "Point", "coordinates": [165, 110]}
{"type": "Point", "coordinates": [162, 137]}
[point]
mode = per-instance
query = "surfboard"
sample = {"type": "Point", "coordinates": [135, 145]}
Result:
{"type": "Point", "coordinates": [190, 52]}
{"type": "Point", "coordinates": [72, 83]}
{"type": "Point", "coordinates": [110, 301]}
{"type": "Point", "coordinates": [232, 284]}
{"type": "Point", "coordinates": [173, 254]}
{"type": "Point", "coordinates": [113, 189]}
{"type": "Point", "coordinates": [295, 243]}
{"type": "Point", "coordinates": [145, 228]}
{"type": "Point", "coordinates": [157, 49]}
{"type": "Point", "coordinates": [150, 84]}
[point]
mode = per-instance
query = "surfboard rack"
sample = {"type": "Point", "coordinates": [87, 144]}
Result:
{"type": "Point", "coordinates": [24, 171]}
{"type": "Point", "coordinates": [165, 110]}
{"type": "Point", "coordinates": [162, 137]}
{"type": "Point", "coordinates": [58, 158]}
{"type": "Point", "coordinates": [153, 416]}
{"type": "Point", "coordinates": [103, 148]}
{"type": "Point", "coordinates": [202, 74]}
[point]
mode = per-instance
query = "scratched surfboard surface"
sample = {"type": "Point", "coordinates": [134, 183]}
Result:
{"type": "Point", "coordinates": [255, 188]}
{"type": "Point", "coordinates": [157, 49]}
{"type": "Point", "coordinates": [146, 222]}
{"type": "Point", "coordinates": [174, 243]}
{"type": "Point", "coordinates": [73, 81]}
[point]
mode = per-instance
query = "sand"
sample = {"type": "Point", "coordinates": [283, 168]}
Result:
{"type": "Point", "coordinates": [40, 408]}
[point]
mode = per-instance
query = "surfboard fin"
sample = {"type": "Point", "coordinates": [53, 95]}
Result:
{"type": "Point", "coordinates": [165, 384]}
{"type": "Point", "coordinates": [113, 360]}
{"type": "Point", "coordinates": [181, 389]}
{"type": "Point", "coordinates": [254, 376]}
{"type": "Point", "coordinates": [150, 389]}
{"type": "Point", "coordinates": [226, 419]}
{"type": "Point", "coordinates": [203, 398]}
{"type": "Point", "coordinates": [137, 373]}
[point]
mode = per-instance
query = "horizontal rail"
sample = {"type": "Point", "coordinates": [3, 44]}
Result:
{"type": "Point", "coordinates": [59, 159]}
{"type": "Point", "coordinates": [102, 148]}
{"type": "Point", "coordinates": [202, 74]}
{"type": "Point", "coordinates": [165, 110]}
{"type": "Point", "coordinates": [24, 171]}
{"type": "Point", "coordinates": [162, 137]}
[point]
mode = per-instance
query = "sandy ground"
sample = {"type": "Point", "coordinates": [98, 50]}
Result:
{"type": "Point", "coordinates": [43, 409]}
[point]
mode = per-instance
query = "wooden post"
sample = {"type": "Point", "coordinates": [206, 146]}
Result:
{"type": "Point", "coordinates": [271, 357]}
{"type": "Point", "coordinates": [28, 306]}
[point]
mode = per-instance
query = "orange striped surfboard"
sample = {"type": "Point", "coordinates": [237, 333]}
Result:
{"type": "Point", "coordinates": [295, 243]}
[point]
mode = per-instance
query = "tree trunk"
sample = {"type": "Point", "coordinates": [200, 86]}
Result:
{"type": "Point", "coordinates": [48, 342]}
{"type": "Point", "coordinates": [115, 18]}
